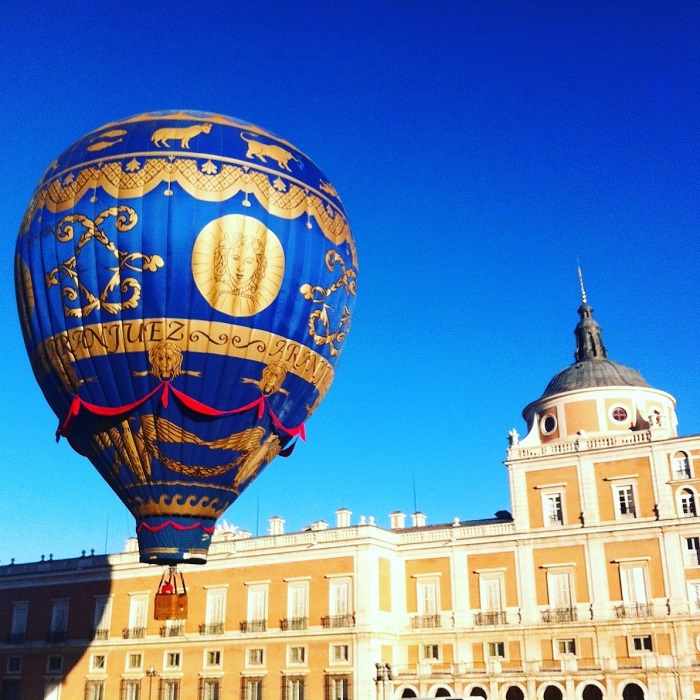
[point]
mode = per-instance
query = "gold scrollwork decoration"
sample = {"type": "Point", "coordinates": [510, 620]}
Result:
{"type": "Point", "coordinates": [318, 295]}
{"type": "Point", "coordinates": [67, 277]}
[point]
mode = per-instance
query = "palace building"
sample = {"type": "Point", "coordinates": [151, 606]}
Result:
{"type": "Point", "coordinates": [587, 589]}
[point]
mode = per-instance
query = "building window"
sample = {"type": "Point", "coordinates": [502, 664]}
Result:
{"type": "Point", "coordinates": [216, 612]}
{"type": "Point", "coordinates": [18, 629]}
{"type": "Point", "coordinates": [688, 507]}
{"type": "Point", "coordinates": [428, 602]}
{"type": "Point", "coordinates": [337, 688]}
{"type": "Point", "coordinates": [553, 509]}
{"type": "Point", "coordinates": [9, 689]}
{"type": "Point", "coordinates": [625, 507]}
{"type": "Point", "coordinates": [98, 662]}
{"type": "Point", "coordinates": [619, 414]}
{"type": "Point", "coordinates": [549, 424]}
{"type": "Point", "coordinates": [681, 466]}
{"type": "Point", "coordinates": [561, 599]}
{"type": "Point", "coordinates": [340, 653]}
{"type": "Point", "coordinates": [54, 664]}
{"type": "Point", "coordinates": [169, 689]}
{"type": "Point", "coordinates": [293, 688]}
{"type": "Point", "coordinates": [253, 689]}
{"type": "Point", "coordinates": [103, 616]}
{"type": "Point", "coordinates": [339, 607]}
{"type": "Point", "coordinates": [134, 662]}
{"type": "Point", "coordinates": [256, 657]}
{"type": "Point", "coordinates": [692, 551]}
{"type": "Point", "coordinates": [297, 605]}
{"type": "Point", "coordinates": [138, 614]}
{"type": "Point", "coordinates": [635, 598]}
{"type": "Point", "coordinates": [431, 652]}
{"type": "Point", "coordinates": [95, 690]}
{"type": "Point", "coordinates": [563, 647]}
{"type": "Point", "coordinates": [296, 655]}
{"type": "Point", "coordinates": [59, 621]}
{"type": "Point", "coordinates": [14, 664]}
{"type": "Point", "coordinates": [210, 689]}
{"type": "Point", "coordinates": [496, 650]}
{"type": "Point", "coordinates": [131, 690]}
{"type": "Point", "coordinates": [172, 660]}
{"type": "Point", "coordinates": [257, 609]}
{"type": "Point", "coordinates": [642, 643]}
{"type": "Point", "coordinates": [212, 658]}
{"type": "Point", "coordinates": [491, 592]}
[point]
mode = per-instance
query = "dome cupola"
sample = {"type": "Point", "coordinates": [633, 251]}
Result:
{"type": "Point", "coordinates": [595, 395]}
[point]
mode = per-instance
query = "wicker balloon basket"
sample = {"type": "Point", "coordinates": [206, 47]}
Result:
{"type": "Point", "coordinates": [171, 598]}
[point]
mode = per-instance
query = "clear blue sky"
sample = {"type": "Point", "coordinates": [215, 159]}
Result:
{"type": "Point", "coordinates": [480, 148]}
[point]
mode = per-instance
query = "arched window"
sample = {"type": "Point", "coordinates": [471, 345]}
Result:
{"type": "Point", "coordinates": [552, 693]}
{"type": "Point", "coordinates": [688, 506]}
{"type": "Point", "coordinates": [408, 693]}
{"type": "Point", "coordinates": [514, 693]}
{"type": "Point", "coordinates": [632, 692]}
{"type": "Point", "coordinates": [478, 693]}
{"type": "Point", "coordinates": [592, 692]}
{"type": "Point", "coordinates": [443, 693]}
{"type": "Point", "coordinates": [681, 466]}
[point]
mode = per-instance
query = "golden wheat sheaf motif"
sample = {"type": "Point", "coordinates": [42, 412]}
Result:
{"type": "Point", "coordinates": [122, 290]}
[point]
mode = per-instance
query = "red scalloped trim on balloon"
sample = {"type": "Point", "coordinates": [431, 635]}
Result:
{"type": "Point", "coordinates": [197, 406]}
{"type": "Point", "coordinates": [177, 526]}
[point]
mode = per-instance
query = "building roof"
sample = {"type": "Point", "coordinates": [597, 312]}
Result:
{"type": "Point", "coordinates": [593, 373]}
{"type": "Point", "coordinates": [591, 367]}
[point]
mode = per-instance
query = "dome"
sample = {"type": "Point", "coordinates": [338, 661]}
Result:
{"type": "Point", "coordinates": [593, 373]}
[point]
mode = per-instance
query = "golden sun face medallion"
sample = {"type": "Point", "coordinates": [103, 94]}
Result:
{"type": "Point", "coordinates": [238, 265]}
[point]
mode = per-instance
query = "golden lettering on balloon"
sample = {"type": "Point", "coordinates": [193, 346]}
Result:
{"type": "Point", "coordinates": [175, 331]}
{"type": "Point", "coordinates": [58, 353]}
{"type": "Point", "coordinates": [154, 331]}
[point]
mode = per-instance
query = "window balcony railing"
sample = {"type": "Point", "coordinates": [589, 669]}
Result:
{"type": "Point", "coordinates": [176, 630]}
{"type": "Point", "coordinates": [56, 636]}
{"type": "Point", "coordinates": [628, 515]}
{"type": "Point", "coordinates": [490, 617]}
{"type": "Point", "coordinates": [346, 620]}
{"type": "Point", "coordinates": [692, 558]}
{"type": "Point", "coordinates": [100, 634]}
{"type": "Point", "coordinates": [426, 621]}
{"type": "Point", "coordinates": [632, 610]}
{"type": "Point", "coordinates": [559, 615]}
{"type": "Point", "coordinates": [16, 638]}
{"type": "Point", "coordinates": [254, 626]}
{"type": "Point", "coordinates": [133, 633]}
{"type": "Point", "coordinates": [212, 628]}
{"type": "Point", "coordinates": [294, 623]}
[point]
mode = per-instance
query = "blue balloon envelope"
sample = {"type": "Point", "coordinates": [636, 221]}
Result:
{"type": "Point", "coordinates": [185, 284]}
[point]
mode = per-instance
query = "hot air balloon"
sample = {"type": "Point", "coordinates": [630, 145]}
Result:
{"type": "Point", "coordinates": [185, 285]}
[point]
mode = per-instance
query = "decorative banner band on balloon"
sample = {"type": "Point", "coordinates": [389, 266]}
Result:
{"type": "Point", "coordinates": [171, 523]}
{"type": "Point", "coordinates": [197, 406]}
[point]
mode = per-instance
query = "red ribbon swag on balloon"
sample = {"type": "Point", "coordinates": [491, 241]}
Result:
{"type": "Point", "coordinates": [197, 406]}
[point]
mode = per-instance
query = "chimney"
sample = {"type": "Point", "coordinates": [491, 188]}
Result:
{"type": "Point", "coordinates": [342, 516]}
{"type": "Point", "coordinates": [276, 525]}
{"type": "Point", "coordinates": [418, 519]}
{"type": "Point", "coordinates": [397, 519]}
